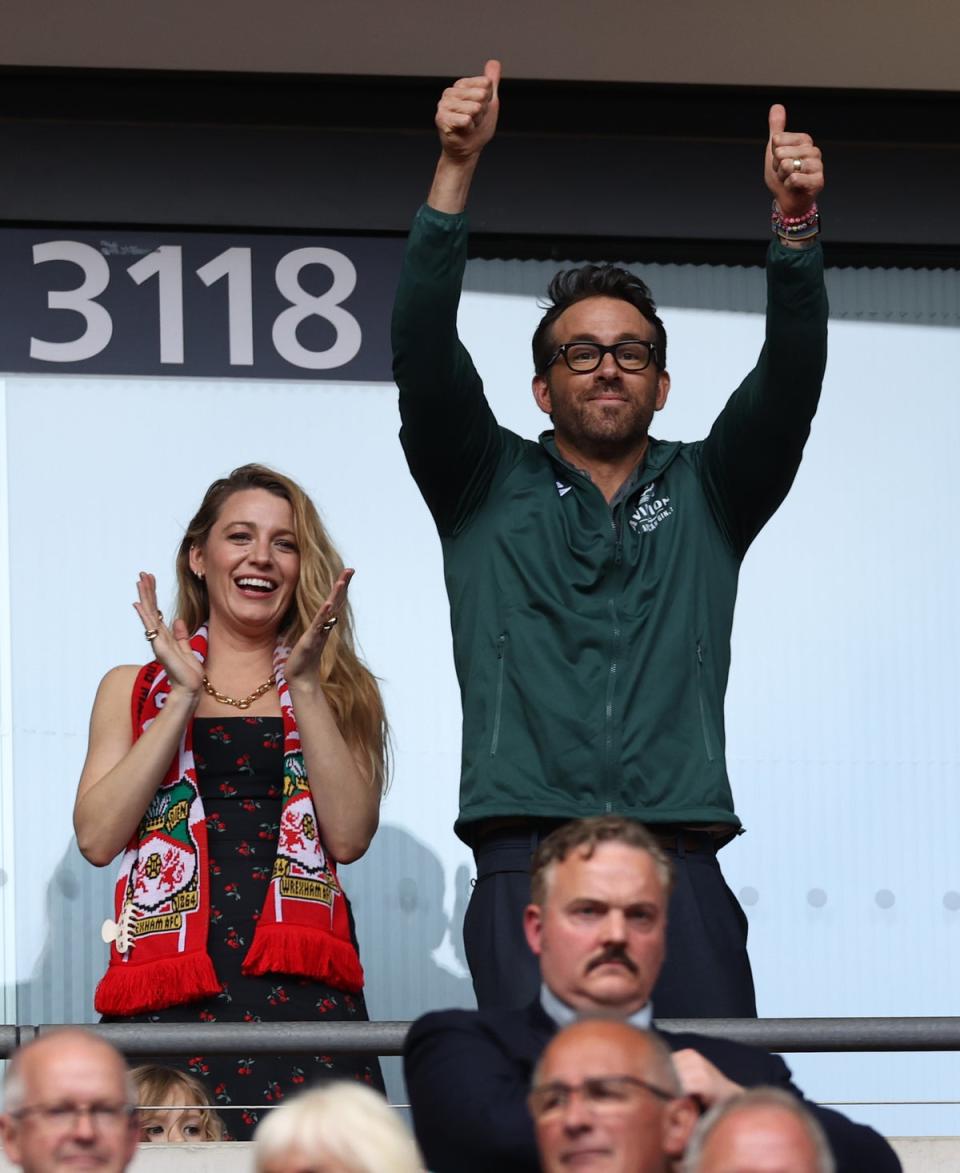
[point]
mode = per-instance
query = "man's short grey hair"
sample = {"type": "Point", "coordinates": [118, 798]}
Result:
{"type": "Point", "coordinates": [349, 1121]}
{"type": "Point", "coordinates": [761, 1097]}
{"type": "Point", "coordinates": [14, 1089]}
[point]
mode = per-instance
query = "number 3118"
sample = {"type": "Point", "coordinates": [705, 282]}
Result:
{"type": "Point", "coordinates": [234, 264]}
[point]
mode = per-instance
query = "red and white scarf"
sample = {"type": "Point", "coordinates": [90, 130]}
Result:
{"type": "Point", "coordinates": [162, 894]}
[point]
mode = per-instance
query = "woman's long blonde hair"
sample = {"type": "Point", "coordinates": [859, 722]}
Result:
{"type": "Point", "coordinates": [349, 686]}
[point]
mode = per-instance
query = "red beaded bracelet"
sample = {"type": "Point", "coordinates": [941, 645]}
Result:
{"type": "Point", "coordinates": [795, 227]}
{"type": "Point", "coordinates": [811, 214]}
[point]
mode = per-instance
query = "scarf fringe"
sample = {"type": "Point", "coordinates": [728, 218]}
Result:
{"type": "Point", "coordinates": [162, 982]}
{"type": "Point", "coordinates": [305, 952]}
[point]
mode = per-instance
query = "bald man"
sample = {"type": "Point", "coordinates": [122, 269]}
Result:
{"type": "Point", "coordinates": [764, 1130]}
{"type": "Point", "coordinates": [605, 1096]}
{"type": "Point", "coordinates": [68, 1104]}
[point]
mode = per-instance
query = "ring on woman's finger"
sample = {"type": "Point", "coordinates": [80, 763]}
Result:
{"type": "Point", "coordinates": [798, 164]}
{"type": "Point", "coordinates": [330, 623]}
{"type": "Point", "coordinates": [159, 616]}
{"type": "Point", "coordinates": [151, 635]}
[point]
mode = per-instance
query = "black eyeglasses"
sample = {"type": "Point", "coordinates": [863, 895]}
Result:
{"type": "Point", "coordinates": [603, 1093]}
{"type": "Point", "coordinates": [61, 1117]}
{"type": "Point", "coordinates": [584, 357]}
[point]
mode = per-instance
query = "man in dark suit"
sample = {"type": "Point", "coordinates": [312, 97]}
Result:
{"type": "Point", "coordinates": [597, 922]}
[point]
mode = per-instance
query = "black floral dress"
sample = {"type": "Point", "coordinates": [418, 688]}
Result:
{"type": "Point", "coordinates": [239, 763]}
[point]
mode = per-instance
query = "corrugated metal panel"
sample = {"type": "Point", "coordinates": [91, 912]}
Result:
{"type": "Point", "coordinates": [928, 297]}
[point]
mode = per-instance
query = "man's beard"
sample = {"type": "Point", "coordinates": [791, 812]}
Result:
{"type": "Point", "coordinates": [604, 429]}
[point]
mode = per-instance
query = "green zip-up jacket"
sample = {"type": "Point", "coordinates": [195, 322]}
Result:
{"type": "Point", "coordinates": [592, 641]}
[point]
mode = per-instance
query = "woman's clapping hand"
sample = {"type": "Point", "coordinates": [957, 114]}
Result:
{"type": "Point", "coordinates": [170, 647]}
{"type": "Point", "coordinates": [303, 663]}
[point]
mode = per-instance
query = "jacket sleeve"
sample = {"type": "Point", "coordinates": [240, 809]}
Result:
{"type": "Point", "coordinates": [468, 1097]}
{"type": "Point", "coordinates": [753, 451]}
{"type": "Point", "coordinates": [856, 1147]}
{"type": "Point", "coordinates": [448, 432]}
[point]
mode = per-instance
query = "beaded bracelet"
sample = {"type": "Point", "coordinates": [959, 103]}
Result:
{"type": "Point", "coordinates": [795, 227]}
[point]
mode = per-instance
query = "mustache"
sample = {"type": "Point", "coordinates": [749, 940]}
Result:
{"type": "Point", "coordinates": [614, 954]}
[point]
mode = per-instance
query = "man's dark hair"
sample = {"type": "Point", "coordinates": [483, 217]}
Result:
{"type": "Point", "coordinates": [573, 285]}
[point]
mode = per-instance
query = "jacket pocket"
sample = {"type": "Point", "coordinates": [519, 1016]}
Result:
{"type": "Point", "coordinates": [708, 746]}
{"type": "Point", "coordinates": [498, 703]}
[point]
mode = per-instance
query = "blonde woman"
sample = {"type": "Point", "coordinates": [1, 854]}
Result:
{"type": "Point", "coordinates": [342, 1128]}
{"type": "Point", "coordinates": [235, 771]}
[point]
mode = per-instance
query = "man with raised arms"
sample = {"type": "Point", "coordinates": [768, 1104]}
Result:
{"type": "Point", "coordinates": [592, 575]}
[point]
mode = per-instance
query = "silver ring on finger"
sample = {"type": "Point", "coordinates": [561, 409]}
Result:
{"type": "Point", "coordinates": [330, 624]}
{"type": "Point", "coordinates": [797, 165]}
{"type": "Point", "coordinates": [151, 635]}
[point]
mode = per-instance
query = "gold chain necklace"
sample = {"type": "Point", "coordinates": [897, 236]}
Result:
{"type": "Point", "coordinates": [246, 701]}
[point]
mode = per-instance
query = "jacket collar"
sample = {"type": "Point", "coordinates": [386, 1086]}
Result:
{"type": "Point", "coordinates": [659, 454]}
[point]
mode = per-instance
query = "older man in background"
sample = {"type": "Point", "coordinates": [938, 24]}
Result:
{"type": "Point", "coordinates": [764, 1130]}
{"type": "Point", "coordinates": [605, 1096]}
{"type": "Point", "coordinates": [68, 1104]}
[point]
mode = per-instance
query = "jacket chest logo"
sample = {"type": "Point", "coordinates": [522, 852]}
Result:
{"type": "Point", "coordinates": [651, 509]}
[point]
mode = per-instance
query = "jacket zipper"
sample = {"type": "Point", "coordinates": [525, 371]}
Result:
{"type": "Point", "coordinates": [612, 674]}
{"type": "Point", "coordinates": [704, 729]}
{"type": "Point", "coordinates": [495, 738]}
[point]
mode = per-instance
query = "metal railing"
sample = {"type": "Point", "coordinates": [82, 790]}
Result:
{"type": "Point", "coordinates": [386, 1038]}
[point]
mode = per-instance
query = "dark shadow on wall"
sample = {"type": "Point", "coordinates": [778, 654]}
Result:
{"type": "Point", "coordinates": [60, 988]}
{"type": "Point", "coordinates": [397, 893]}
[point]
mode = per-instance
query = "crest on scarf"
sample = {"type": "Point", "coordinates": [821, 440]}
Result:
{"type": "Point", "coordinates": [301, 864]}
{"type": "Point", "coordinates": [164, 881]}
